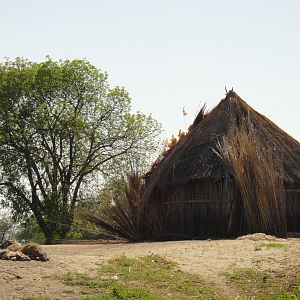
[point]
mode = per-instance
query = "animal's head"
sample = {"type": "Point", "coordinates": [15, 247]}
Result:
{"type": "Point", "coordinates": [35, 252]}
{"type": "Point", "coordinates": [7, 243]}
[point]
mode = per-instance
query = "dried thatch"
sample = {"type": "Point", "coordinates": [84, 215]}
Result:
{"type": "Point", "coordinates": [193, 192]}
{"type": "Point", "coordinates": [257, 175]}
{"type": "Point", "coordinates": [120, 216]}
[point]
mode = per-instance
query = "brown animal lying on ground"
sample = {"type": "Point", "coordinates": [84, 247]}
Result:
{"type": "Point", "coordinates": [31, 250]}
{"type": "Point", "coordinates": [12, 255]}
{"type": "Point", "coordinates": [7, 243]}
{"type": "Point", "coordinates": [11, 245]}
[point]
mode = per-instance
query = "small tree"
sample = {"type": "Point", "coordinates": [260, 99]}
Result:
{"type": "Point", "coordinates": [61, 126]}
{"type": "Point", "coordinates": [7, 228]}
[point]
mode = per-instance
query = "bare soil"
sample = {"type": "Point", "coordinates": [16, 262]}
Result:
{"type": "Point", "coordinates": [208, 258]}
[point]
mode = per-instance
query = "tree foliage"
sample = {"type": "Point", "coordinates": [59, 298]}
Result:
{"type": "Point", "coordinates": [62, 128]}
{"type": "Point", "coordinates": [7, 228]}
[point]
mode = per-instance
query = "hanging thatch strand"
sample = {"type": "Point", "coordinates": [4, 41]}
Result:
{"type": "Point", "coordinates": [121, 216]}
{"type": "Point", "coordinates": [200, 116]}
{"type": "Point", "coordinates": [257, 174]}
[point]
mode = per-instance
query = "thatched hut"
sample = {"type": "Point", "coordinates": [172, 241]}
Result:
{"type": "Point", "coordinates": [201, 188]}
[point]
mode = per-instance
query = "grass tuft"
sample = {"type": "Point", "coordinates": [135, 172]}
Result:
{"type": "Point", "coordinates": [150, 277]}
{"type": "Point", "coordinates": [273, 245]}
{"type": "Point", "coordinates": [265, 285]}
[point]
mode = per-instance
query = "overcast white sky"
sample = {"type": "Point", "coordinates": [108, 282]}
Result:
{"type": "Point", "coordinates": [171, 54]}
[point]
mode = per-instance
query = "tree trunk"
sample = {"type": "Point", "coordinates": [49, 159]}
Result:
{"type": "Point", "coordinates": [49, 240]}
{"type": "Point", "coordinates": [48, 232]}
{"type": "Point", "coordinates": [65, 228]}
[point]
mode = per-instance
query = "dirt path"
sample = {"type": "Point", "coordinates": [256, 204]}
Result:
{"type": "Point", "coordinates": [208, 258]}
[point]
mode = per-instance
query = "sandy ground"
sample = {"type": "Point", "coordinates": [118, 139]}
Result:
{"type": "Point", "coordinates": [208, 258]}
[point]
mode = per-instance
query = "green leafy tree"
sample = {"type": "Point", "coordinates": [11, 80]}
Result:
{"type": "Point", "coordinates": [62, 129]}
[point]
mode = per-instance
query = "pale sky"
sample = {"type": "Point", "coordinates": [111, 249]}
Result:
{"type": "Point", "coordinates": [171, 54]}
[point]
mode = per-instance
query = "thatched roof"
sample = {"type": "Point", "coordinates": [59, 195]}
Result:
{"type": "Point", "coordinates": [194, 157]}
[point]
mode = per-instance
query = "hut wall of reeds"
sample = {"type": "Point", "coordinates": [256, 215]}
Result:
{"type": "Point", "coordinates": [234, 173]}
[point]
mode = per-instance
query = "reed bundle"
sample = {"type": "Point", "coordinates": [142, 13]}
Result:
{"type": "Point", "coordinates": [258, 175]}
{"type": "Point", "coordinates": [121, 216]}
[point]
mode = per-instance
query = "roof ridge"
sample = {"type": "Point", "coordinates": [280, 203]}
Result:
{"type": "Point", "coordinates": [193, 157]}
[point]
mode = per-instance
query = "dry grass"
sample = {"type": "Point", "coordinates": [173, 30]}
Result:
{"type": "Point", "coordinates": [121, 215]}
{"type": "Point", "coordinates": [257, 174]}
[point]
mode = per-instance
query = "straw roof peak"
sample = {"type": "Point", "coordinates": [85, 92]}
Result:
{"type": "Point", "coordinates": [195, 158]}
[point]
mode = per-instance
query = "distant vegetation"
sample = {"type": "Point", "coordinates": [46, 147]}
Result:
{"type": "Point", "coordinates": [7, 228]}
